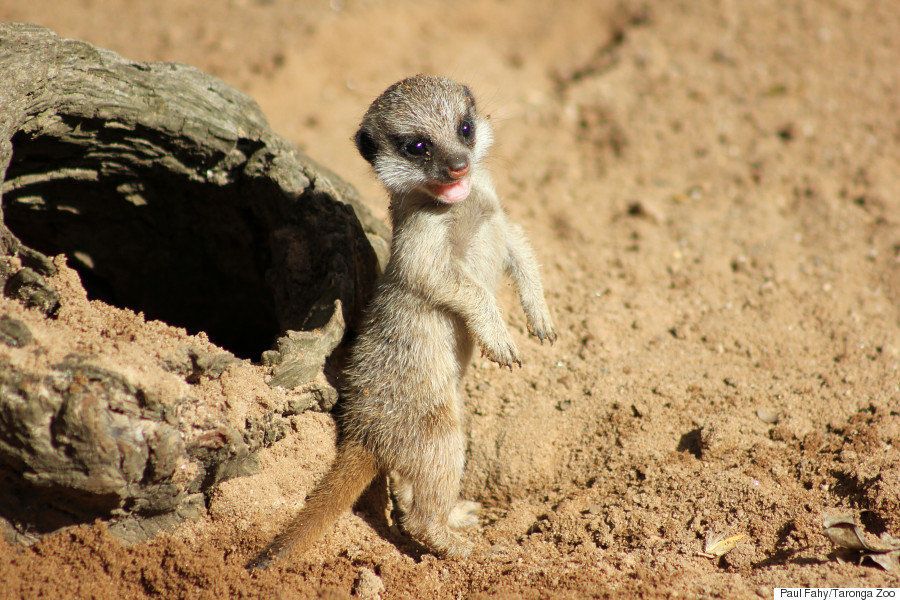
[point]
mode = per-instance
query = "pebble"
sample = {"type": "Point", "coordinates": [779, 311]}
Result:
{"type": "Point", "coordinates": [767, 415]}
{"type": "Point", "coordinates": [368, 585]}
{"type": "Point", "coordinates": [14, 332]}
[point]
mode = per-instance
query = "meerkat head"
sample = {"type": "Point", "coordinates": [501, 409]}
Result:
{"type": "Point", "coordinates": [424, 134]}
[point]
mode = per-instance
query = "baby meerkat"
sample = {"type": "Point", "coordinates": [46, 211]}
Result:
{"type": "Point", "coordinates": [401, 411]}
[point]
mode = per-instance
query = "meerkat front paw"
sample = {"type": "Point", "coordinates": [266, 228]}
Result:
{"type": "Point", "coordinates": [503, 353]}
{"type": "Point", "coordinates": [541, 327]}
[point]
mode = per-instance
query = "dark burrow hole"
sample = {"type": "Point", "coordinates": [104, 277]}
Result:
{"type": "Point", "coordinates": [231, 255]}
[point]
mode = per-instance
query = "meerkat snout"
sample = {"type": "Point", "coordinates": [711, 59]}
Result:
{"type": "Point", "coordinates": [458, 167]}
{"type": "Point", "coordinates": [424, 134]}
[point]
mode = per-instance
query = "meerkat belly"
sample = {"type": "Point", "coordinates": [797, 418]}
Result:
{"type": "Point", "coordinates": [409, 355]}
{"type": "Point", "coordinates": [403, 377]}
{"type": "Point", "coordinates": [485, 257]}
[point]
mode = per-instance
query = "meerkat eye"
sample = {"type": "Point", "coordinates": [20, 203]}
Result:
{"type": "Point", "coordinates": [466, 130]}
{"type": "Point", "coordinates": [417, 147]}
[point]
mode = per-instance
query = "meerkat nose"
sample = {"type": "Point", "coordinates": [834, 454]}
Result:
{"type": "Point", "coordinates": [458, 167]}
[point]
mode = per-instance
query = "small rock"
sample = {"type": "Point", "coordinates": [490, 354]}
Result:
{"type": "Point", "coordinates": [32, 290]}
{"type": "Point", "coordinates": [208, 364]}
{"type": "Point", "coordinates": [767, 415]}
{"type": "Point", "coordinates": [740, 264]}
{"type": "Point", "coordinates": [271, 428]}
{"type": "Point", "coordinates": [644, 210]}
{"type": "Point", "coordinates": [740, 558]}
{"type": "Point", "coordinates": [563, 405]}
{"type": "Point", "coordinates": [368, 584]}
{"type": "Point", "coordinates": [270, 358]}
{"type": "Point", "coordinates": [7, 532]}
{"type": "Point", "coordinates": [178, 362]}
{"type": "Point", "coordinates": [315, 395]}
{"type": "Point", "coordinates": [40, 263]}
{"type": "Point", "coordinates": [720, 436]}
{"type": "Point", "coordinates": [194, 364]}
{"type": "Point", "coordinates": [787, 132]}
{"type": "Point", "coordinates": [14, 333]}
{"type": "Point", "coordinates": [678, 332]}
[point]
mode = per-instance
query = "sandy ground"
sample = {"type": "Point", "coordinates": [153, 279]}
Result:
{"type": "Point", "coordinates": [712, 188]}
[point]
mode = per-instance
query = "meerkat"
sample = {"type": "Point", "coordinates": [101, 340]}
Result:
{"type": "Point", "coordinates": [401, 410]}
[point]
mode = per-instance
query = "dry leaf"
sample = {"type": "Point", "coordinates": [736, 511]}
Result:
{"type": "Point", "coordinates": [844, 532]}
{"type": "Point", "coordinates": [890, 541]}
{"type": "Point", "coordinates": [889, 561]}
{"type": "Point", "coordinates": [718, 545]}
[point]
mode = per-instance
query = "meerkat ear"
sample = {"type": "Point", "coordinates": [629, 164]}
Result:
{"type": "Point", "coordinates": [366, 145]}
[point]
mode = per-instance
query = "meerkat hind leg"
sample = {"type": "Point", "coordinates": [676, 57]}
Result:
{"type": "Point", "coordinates": [428, 521]}
{"type": "Point", "coordinates": [464, 514]}
{"type": "Point", "coordinates": [401, 496]}
{"type": "Point", "coordinates": [401, 490]}
{"type": "Point", "coordinates": [434, 484]}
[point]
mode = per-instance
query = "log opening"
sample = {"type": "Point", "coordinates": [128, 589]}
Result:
{"type": "Point", "coordinates": [145, 232]}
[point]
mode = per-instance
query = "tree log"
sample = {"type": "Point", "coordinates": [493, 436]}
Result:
{"type": "Point", "coordinates": [169, 194]}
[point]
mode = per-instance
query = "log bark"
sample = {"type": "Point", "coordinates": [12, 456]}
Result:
{"type": "Point", "coordinates": [169, 194]}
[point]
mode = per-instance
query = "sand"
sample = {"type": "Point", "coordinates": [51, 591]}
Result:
{"type": "Point", "coordinates": [712, 188]}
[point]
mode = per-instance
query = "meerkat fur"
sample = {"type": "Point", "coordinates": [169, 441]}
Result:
{"type": "Point", "coordinates": [401, 410]}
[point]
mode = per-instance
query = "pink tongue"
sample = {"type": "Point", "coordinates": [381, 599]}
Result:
{"type": "Point", "coordinates": [454, 192]}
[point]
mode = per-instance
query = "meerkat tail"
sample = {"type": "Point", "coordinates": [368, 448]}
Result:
{"type": "Point", "coordinates": [353, 469]}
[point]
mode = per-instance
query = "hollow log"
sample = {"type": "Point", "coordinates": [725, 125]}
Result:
{"type": "Point", "coordinates": [169, 194]}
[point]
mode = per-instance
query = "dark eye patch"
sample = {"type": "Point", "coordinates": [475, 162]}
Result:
{"type": "Point", "coordinates": [415, 147]}
{"type": "Point", "coordinates": [466, 130]}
